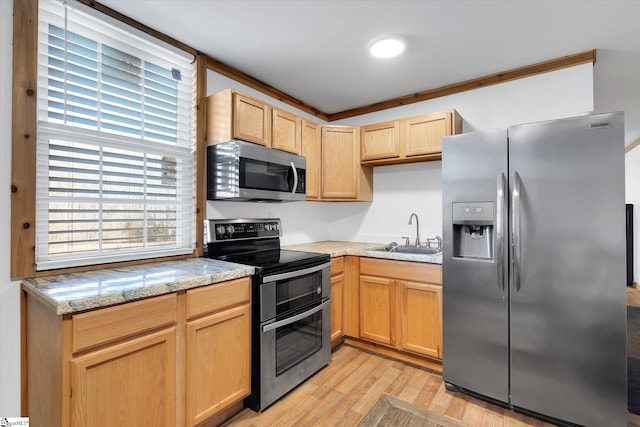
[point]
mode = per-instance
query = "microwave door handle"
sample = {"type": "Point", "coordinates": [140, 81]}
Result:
{"type": "Point", "coordinates": [295, 180]}
{"type": "Point", "coordinates": [294, 319]}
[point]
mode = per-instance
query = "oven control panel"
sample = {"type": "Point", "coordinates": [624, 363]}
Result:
{"type": "Point", "coordinates": [216, 230]}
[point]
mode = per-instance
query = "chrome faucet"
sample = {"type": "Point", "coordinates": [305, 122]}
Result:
{"type": "Point", "coordinates": [417, 228]}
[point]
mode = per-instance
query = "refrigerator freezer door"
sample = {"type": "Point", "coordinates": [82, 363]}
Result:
{"type": "Point", "coordinates": [475, 301]}
{"type": "Point", "coordinates": [568, 306]}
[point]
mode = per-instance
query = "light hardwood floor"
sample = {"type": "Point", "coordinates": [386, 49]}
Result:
{"type": "Point", "coordinates": [633, 296]}
{"type": "Point", "coordinates": [343, 392]}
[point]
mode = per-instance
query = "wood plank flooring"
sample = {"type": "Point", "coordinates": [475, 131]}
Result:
{"type": "Point", "coordinates": [343, 392]}
{"type": "Point", "coordinates": [633, 296]}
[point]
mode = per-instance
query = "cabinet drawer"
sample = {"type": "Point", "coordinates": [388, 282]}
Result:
{"type": "Point", "coordinates": [218, 296]}
{"type": "Point", "coordinates": [403, 270]}
{"type": "Point", "coordinates": [337, 265]}
{"type": "Point", "coordinates": [114, 323]}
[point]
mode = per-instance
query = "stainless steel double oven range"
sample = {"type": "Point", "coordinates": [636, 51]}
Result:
{"type": "Point", "coordinates": [291, 304]}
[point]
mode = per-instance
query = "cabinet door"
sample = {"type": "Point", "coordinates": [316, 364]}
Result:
{"type": "Point", "coordinates": [340, 162]}
{"type": "Point", "coordinates": [337, 305]}
{"type": "Point", "coordinates": [380, 141]}
{"type": "Point", "coordinates": [377, 309]}
{"type": "Point", "coordinates": [132, 383]}
{"type": "Point", "coordinates": [423, 134]}
{"type": "Point", "coordinates": [218, 362]}
{"type": "Point", "coordinates": [285, 134]}
{"type": "Point", "coordinates": [311, 150]}
{"type": "Point", "coordinates": [251, 120]}
{"type": "Point", "coordinates": [421, 318]}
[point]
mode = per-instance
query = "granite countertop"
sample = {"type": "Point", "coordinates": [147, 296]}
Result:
{"type": "Point", "coordinates": [73, 292]}
{"type": "Point", "coordinates": [337, 248]}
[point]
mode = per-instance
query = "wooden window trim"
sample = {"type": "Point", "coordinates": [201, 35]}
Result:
{"type": "Point", "coordinates": [23, 143]}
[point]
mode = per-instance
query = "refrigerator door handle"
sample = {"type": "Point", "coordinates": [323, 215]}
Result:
{"type": "Point", "coordinates": [515, 231]}
{"type": "Point", "coordinates": [499, 243]}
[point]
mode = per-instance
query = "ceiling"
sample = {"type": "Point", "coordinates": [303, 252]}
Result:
{"type": "Point", "coordinates": [317, 50]}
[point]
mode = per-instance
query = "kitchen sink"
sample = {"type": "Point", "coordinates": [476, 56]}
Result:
{"type": "Point", "coordinates": [408, 250]}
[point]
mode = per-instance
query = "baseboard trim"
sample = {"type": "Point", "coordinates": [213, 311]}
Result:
{"type": "Point", "coordinates": [432, 365]}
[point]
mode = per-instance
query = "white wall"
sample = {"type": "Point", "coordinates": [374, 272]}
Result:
{"type": "Point", "coordinates": [402, 189]}
{"type": "Point", "coordinates": [616, 81]}
{"type": "Point", "coordinates": [617, 87]}
{"type": "Point", "coordinates": [9, 291]}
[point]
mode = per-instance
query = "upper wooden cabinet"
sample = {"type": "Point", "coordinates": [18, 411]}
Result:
{"type": "Point", "coordinates": [286, 133]}
{"type": "Point", "coordinates": [423, 134]}
{"type": "Point", "coordinates": [312, 151]}
{"type": "Point", "coordinates": [414, 139]}
{"type": "Point", "coordinates": [343, 178]}
{"type": "Point", "coordinates": [380, 141]}
{"type": "Point", "coordinates": [233, 115]}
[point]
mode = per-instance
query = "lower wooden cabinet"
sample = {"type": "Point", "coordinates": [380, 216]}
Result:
{"type": "Point", "coordinates": [377, 309]}
{"type": "Point", "coordinates": [337, 300]}
{"type": "Point", "coordinates": [218, 348]}
{"type": "Point", "coordinates": [131, 383]}
{"type": "Point", "coordinates": [400, 305]}
{"type": "Point", "coordinates": [420, 317]}
{"type": "Point", "coordinates": [180, 359]}
{"type": "Point", "coordinates": [337, 305]}
{"type": "Point", "coordinates": [218, 357]}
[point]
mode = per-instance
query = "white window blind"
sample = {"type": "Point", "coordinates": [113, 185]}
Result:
{"type": "Point", "coordinates": [116, 138]}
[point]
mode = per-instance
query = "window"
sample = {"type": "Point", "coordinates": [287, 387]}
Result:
{"type": "Point", "coordinates": [116, 139]}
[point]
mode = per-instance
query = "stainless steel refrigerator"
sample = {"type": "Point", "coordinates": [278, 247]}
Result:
{"type": "Point", "coordinates": [534, 297]}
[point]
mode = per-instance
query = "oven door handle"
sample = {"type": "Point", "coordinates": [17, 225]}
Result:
{"type": "Point", "coordinates": [290, 320]}
{"type": "Point", "coordinates": [297, 273]}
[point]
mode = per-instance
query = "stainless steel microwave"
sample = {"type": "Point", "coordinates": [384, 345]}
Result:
{"type": "Point", "coordinates": [242, 171]}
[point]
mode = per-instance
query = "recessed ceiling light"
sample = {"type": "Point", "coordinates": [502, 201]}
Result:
{"type": "Point", "coordinates": [387, 47]}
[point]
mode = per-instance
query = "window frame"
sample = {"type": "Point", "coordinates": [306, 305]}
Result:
{"type": "Point", "coordinates": [24, 112]}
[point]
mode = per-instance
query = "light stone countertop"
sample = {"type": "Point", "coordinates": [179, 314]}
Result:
{"type": "Point", "coordinates": [73, 292]}
{"type": "Point", "coordinates": [337, 249]}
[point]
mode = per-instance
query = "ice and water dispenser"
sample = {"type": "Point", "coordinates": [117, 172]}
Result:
{"type": "Point", "coordinates": [473, 228]}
